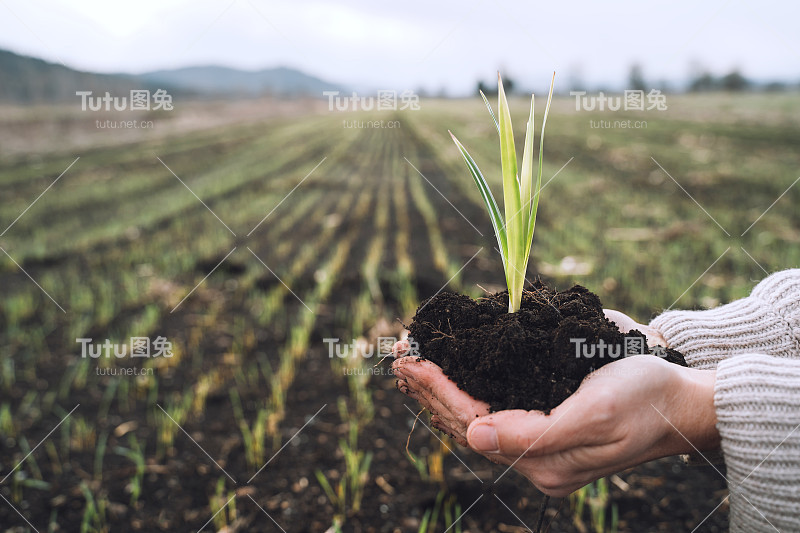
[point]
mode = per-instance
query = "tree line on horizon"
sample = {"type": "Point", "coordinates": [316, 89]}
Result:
{"type": "Point", "coordinates": [701, 80]}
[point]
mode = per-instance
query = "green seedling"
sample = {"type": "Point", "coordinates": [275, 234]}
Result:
{"type": "Point", "coordinates": [425, 522]}
{"type": "Point", "coordinates": [136, 455]}
{"type": "Point", "coordinates": [348, 493]}
{"type": "Point", "coordinates": [448, 508]}
{"type": "Point", "coordinates": [8, 375]}
{"type": "Point", "coordinates": [99, 455]}
{"type": "Point", "coordinates": [170, 419]}
{"type": "Point", "coordinates": [596, 496]}
{"type": "Point", "coordinates": [84, 436]}
{"type": "Point", "coordinates": [55, 459]}
{"type": "Point", "coordinates": [599, 499]}
{"type": "Point", "coordinates": [420, 464]}
{"type": "Point", "coordinates": [514, 232]}
{"type": "Point", "coordinates": [7, 426]}
{"type": "Point", "coordinates": [94, 514]}
{"type": "Point", "coordinates": [253, 436]}
{"type": "Point", "coordinates": [20, 482]}
{"type": "Point", "coordinates": [30, 459]}
{"type": "Point", "coordinates": [437, 507]}
{"type": "Point", "coordinates": [351, 484]}
{"type": "Point", "coordinates": [223, 504]}
{"type": "Point", "coordinates": [108, 397]}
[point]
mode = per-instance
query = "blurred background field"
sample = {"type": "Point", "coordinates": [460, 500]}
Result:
{"type": "Point", "coordinates": [272, 241]}
{"type": "Point", "coordinates": [159, 234]}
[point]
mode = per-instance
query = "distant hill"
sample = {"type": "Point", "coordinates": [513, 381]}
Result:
{"type": "Point", "coordinates": [28, 80]}
{"type": "Point", "coordinates": [223, 80]}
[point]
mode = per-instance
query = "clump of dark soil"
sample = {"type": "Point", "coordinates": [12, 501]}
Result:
{"type": "Point", "coordinates": [531, 359]}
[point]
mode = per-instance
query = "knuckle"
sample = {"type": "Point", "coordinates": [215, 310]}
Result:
{"type": "Point", "coordinates": [523, 445]}
{"type": "Point", "coordinates": [517, 443]}
{"type": "Point", "coordinates": [606, 408]}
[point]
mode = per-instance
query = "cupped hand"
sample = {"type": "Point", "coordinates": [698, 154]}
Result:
{"type": "Point", "coordinates": [452, 410]}
{"type": "Point", "coordinates": [628, 412]}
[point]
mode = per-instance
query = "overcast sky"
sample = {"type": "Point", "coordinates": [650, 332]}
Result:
{"type": "Point", "coordinates": [416, 43]}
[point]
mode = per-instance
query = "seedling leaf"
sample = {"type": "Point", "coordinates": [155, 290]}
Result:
{"type": "Point", "coordinates": [491, 112]}
{"type": "Point", "coordinates": [488, 199]}
{"type": "Point", "coordinates": [515, 220]}
{"type": "Point", "coordinates": [535, 207]}
{"type": "Point", "coordinates": [513, 228]}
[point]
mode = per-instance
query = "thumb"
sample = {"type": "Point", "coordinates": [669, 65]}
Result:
{"type": "Point", "coordinates": [530, 433]}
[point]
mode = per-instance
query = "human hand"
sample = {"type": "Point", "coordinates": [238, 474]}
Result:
{"type": "Point", "coordinates": [451, 409]}
{"type": "Point", "coordinates": [626, 324]}
{"type": "Point", "coordinates": [628, 412]}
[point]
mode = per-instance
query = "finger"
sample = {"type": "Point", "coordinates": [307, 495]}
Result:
{"type": "Point", "coordinates": [401, 348]}
{"type": "Point", "coordinates": [532, 433]}
{"type": "Point", "coordinates": [403, 387]}
{"type": "Point", "coordinates": [440, 424]}
{"type": "Point", "coordinates": [432, 402]}
{"type": "Point", "coordinates": [405, 367]}
{"type": "Point", "coordinates": [654, 337]}
{"type": "Point", "coordinates": [413, 389]}
{"type": "Point", "coordinates": [426, 378]}
{"type": "Point", "coordinates": [626, 324]}
{"type": "Point", "coordinates": [454, 420]}
{"type": "Point", "coordinates": [621, 320]}
{"type": "Point", "coordinates": [443, 422]}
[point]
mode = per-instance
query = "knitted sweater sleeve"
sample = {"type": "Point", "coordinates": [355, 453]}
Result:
{"type": "Point", "coordinates": [757, 399]}
{"type": "Point", "coordinates": [754, 345]}
{"type": "Point", "coordinates": [766, 322]}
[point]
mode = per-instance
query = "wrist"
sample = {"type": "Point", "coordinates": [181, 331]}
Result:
{"type": "Point", "coordinates": [695, 417]}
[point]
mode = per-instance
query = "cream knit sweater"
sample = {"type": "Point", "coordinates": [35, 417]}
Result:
{"type": "Point", "coordinates": [754, 344]}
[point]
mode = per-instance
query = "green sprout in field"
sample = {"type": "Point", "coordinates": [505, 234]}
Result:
{"type": "Point", "coordinates": [521, 201]}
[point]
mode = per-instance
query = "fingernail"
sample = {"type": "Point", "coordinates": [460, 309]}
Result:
{"type": "Point", "coordinates": [483, 438]}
